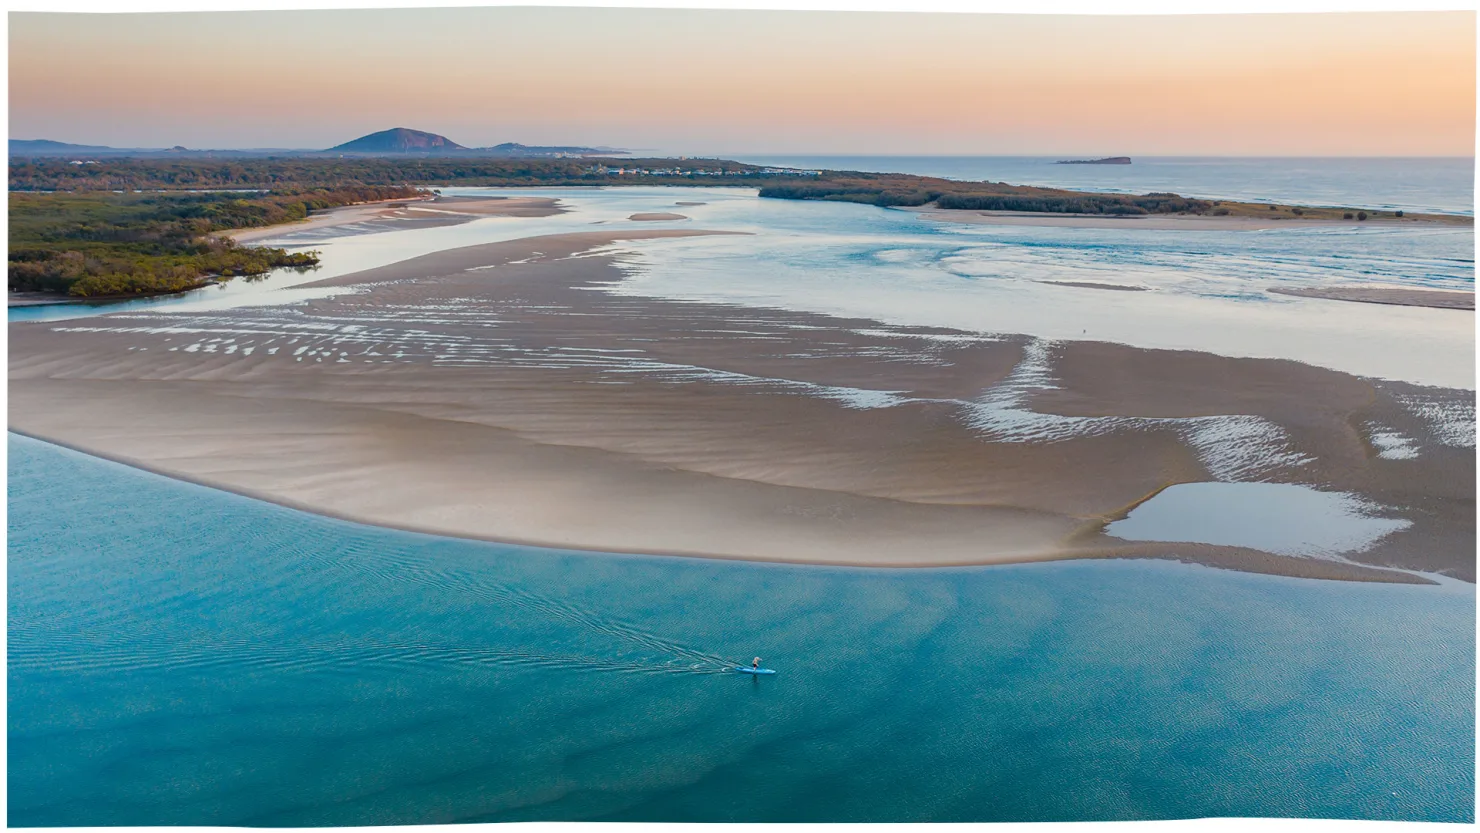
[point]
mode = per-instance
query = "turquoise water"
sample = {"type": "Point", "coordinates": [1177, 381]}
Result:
{"type": "Point", "coordinates": [179, 655]}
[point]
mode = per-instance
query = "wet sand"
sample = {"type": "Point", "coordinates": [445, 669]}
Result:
{"type": "Point", "coordinates": [655, 216]}
{"type": "Point", "coordinates": [406, 213]}
{"type": "Point", "coordinates": [496, 392]}
{"type": "Point", "coordinates": [1114, 287]}
{"type": "Point", "coordinates": [1435, 298]}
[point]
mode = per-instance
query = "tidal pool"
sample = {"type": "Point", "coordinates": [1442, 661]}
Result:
{"type": "Point", "coordinates": [1281, 518]}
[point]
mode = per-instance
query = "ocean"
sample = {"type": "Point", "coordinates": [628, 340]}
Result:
{"type": "Point", "coordinates": [179, 655]}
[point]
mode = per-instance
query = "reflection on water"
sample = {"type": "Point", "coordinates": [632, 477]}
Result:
{"type": "Point", "coordinates": [240, 291]}
{"type": "Point", "coordinates": [179, 655]}
{"type": "Point", "coordinates": [1274, 517]}
{"type": "Point", "coordinates": [1206, 290]}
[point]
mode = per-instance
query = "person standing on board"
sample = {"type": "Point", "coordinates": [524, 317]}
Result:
{"type": "Point", "coordinates": [756, 663]}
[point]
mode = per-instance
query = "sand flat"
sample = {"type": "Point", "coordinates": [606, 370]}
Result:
{"type": "Point", "coordinates": [1434, 298]}
{"type": "Point", "coordinates": [405, 213]}
{"type": "Point", "coordinates": [495, 391]}
{"type": "Point", "coordinates": [1113, 287]}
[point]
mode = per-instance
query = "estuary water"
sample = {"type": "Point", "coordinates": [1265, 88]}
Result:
{"type": "Point", "coordinates": [179, 655]}
{"type": "Point", "coordinates": [1205, 290]}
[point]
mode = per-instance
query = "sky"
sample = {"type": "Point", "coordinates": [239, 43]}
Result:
{"type": "Point", "coordinates": [712, 82]}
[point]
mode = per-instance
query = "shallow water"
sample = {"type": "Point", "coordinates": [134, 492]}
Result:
{"type": "Point", "coordinates": [179, 655]}
{"type": "Point", "coordinates": [1206, 290]}
{"type": "Point", "coordinates": [1275, 517]}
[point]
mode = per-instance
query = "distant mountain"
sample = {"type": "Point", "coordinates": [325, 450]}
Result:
{"type": "Point", "coordinates": [47, 147]}
{"type": "Point", "coordinates": [44, 148]}
{"type": "Point", "coordinates": [399, 140]}
{"type": "Point", "coordinates": [516, 149]}
{"type": "Point", "coordinates": [403, 140]}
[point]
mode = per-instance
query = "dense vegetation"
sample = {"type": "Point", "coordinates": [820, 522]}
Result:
{"type": "Point", "coordinates": [106, 244]}
{"type": "Point", "coordinates": [909, 190]}
{"type": "Point", "coordinates": [122, 226]}
{"type": "Point", "coordinates": [299, 173]}
{"type": "Point", "coordinates": [893, 190]}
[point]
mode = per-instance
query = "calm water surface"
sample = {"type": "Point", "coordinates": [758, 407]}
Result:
{"type": "Point", "coordinates": [1202, 290]}
{"type": "Point", "coordinates": [1273, 517]}
{"type": "Point", "coordinates": [179, 655]}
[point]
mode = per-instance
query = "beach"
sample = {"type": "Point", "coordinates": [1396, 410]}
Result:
{"type": "Point", "coordinates": [404, 213]}
{"type": "Point", "coordinates": [1437, 299]}
{"type": "Point", "coordinates": [499, 391]}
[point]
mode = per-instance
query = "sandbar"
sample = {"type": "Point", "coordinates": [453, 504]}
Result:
{"type": "Point", "coordinates": [1116, 287]}
{"type": "Point", "coordinates": [496, 392]}
{"type": "Point", "coordinates": [653, 216]}
{"type": "Point", "coordinates": [388, 215]}
{"type": "Point", "coordinates": [1434, 298]}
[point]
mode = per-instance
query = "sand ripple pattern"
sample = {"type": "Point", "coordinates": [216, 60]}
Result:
{"type": "Point", "coordinates": [467, 332]}
{"type": "Point", "coordinates": [1235, 447]}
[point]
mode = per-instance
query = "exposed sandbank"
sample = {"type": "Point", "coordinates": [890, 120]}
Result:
{"type": "Point", "coordinates": [495, 392]}
{"type": "Point", "coordinates": [402, 213]}
{"type": "Point", "coordinates": [1117, 287]}
{"type": "Point", "coordinates": [653, 216]}
{"type": "Point", "coordinates": [1435, 298]}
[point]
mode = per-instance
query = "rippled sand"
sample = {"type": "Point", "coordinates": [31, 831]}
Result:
{"type": "Point", "coordinates": [495, 391]}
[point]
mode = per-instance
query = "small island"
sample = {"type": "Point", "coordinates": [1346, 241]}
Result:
{"type": "Point", "coordinates": [1109, 160]}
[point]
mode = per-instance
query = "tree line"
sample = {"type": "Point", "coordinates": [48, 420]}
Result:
{"type": "Point", "coordinates": [105, 244]}
{"type": "Point", "coordinates": [901, 190]}
{"type": "Point", "coordinates": [131, 174]}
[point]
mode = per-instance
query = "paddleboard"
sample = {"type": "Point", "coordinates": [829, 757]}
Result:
{"type": "Point", "coordinates": [755, 670]}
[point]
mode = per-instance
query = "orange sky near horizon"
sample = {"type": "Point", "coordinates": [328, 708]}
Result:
{"type": "Point", "coordinates": [715, 82]}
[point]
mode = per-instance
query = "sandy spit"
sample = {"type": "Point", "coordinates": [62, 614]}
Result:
{"type": "Point", "coordinates": [1436, 298]}
{"type": "Point", "coordinates": [417, 211]}
{"type": "Point", "coordinates": [495, 392]}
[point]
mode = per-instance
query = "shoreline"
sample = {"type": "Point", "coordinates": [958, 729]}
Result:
{"type": "Point", "coordinates": [62, 299]}
{"type": "Point", "coordinates": [450, 211]}
{"type": "Point", "coordinates": [1389, 296]}
{"type": "Point", "coordinates": [546, 430]}
{"type": "Point", "coordinates": [1237, 559]}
